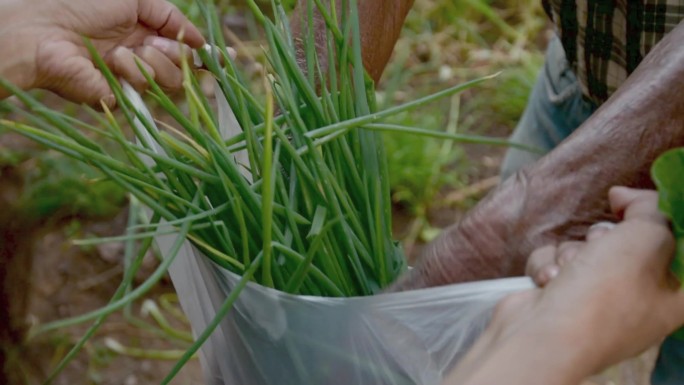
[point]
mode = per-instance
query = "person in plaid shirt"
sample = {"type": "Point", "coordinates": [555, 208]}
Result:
{"type": "Point", "coordinates": [609, 101]}
{"type": "Point", "coordinates": [599, 45]}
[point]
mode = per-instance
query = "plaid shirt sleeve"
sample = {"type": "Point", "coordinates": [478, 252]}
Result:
{"type": "Point", "coordinates": [605, 40]}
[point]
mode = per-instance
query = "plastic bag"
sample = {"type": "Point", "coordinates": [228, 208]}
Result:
{"type": "Point", "coordinates": [270, 337]}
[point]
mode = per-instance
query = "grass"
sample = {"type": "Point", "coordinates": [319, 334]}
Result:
{"type": "Point", "coordinates": [445, 42]}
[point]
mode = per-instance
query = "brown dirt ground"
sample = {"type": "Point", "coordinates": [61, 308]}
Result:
{"type": "Point", "coordinates": [47, 278]}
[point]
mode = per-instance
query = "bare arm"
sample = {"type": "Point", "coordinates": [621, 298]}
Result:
{"type": "Point", "coordinates": [381, 22]}
{"type": "Point", "coordinates": [557, 198]}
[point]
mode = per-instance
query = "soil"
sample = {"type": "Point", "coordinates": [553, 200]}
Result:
{"type": "Point", "coordinates": [47, 278]}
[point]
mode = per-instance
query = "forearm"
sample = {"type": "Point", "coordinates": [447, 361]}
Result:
{"type": "Point", "coordinates": [565, 192]}
{"type": "Point", "coordinates": [380, 21]}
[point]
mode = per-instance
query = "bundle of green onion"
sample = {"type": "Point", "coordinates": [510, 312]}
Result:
{"type": "Point", "coordinates": [311, 206]}
{"type": "Point", "coordinates": [306, 212]}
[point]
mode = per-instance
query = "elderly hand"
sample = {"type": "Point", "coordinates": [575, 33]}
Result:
{"type": "Point", "coordinates": [43, 44]}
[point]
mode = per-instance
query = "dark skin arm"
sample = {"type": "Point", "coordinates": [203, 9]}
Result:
{"type": "Point", "coordinates": [561, 195]}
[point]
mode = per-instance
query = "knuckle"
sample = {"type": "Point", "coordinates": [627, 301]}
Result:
{"type": "Point", "coordinates": [176, 82]}
{"type": "Point", "coordinates": [119, 54]}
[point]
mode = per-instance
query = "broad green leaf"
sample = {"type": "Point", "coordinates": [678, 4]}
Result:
{"type": "Point", "coordinates": [668, 174]}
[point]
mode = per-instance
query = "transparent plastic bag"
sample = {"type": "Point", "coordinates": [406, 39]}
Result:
{"type": "Point", "coordinates": [270, 337]}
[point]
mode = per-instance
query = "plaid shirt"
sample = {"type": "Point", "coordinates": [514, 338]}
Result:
{"type": "Point", "coordinates": [605, 40]}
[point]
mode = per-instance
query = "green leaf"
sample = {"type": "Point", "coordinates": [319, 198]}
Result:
{"type": "Point", "coordinates": [668, 174]}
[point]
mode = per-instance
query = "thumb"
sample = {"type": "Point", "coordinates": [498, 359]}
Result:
{"type": "Point", "coordinates": [635, 204]}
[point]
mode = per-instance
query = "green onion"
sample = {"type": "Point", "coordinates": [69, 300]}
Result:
{"type": "Point", "coordinates": [313, 197]}
{"type": "Point", "coordinates": [307, 212]}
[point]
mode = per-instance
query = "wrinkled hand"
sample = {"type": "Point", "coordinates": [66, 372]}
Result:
{"type": "Point", "coordinates": [48, 37]}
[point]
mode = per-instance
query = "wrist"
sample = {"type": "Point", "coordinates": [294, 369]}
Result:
{"type": "Point", "coordinates": [527, 346]}
{"type": "Point", "coordinates": [545, 354]}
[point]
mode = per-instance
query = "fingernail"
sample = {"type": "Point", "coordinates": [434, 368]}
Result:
{"type": "Point", "coordinates": [231, 52]}
{"type": "Point", "coordinates": [553, 272]}
{"type": "Point", "coordinates": [109, 101]}
{"type": "Point", "coordinates": [603, 225]}
{"type": "Point", "coordinates": [599, 229]}
{"type": "Point", "coordinates": [623, 189]}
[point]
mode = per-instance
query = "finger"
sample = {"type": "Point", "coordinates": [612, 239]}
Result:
{"type": "Point", "coordinates": [168, 21]}
{"type": "Point", "coordinates": [123, 63]}
{"type": "Point", "coordinates": [176, 51]}
{"type": "Point", "coordinates": [71, 74]}
{"type": "Point", "coordinates": [646, 242]}
{"type": "Point", "coordinates": [567, 252]}
{"type": "Point", "coordinates": [546, 274]}
{"type": "Point", "coordinates": [167, 74]}
{"type": "Point", "coordinates": [541, 265]}
{"type": "Point", "coordinates": [636, 204]}
{"type": "Point", "coordinates": [620, 197]}
{"type": "Point", "coordinates": [598, 230]}
{"type": "Point", "coordinates": [86, 85]}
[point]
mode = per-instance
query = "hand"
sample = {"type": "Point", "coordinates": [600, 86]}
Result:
{"type": "Point", "coordinates": [495, 239]}
{"type": "Point", "coordinates": [45, 43]}
{"type": "Point", "coordinates": [613, 300]}
{"type": "Point", "coordinates": [546, 262]}
{"type": "Point", "coordinates": [619, 286]}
